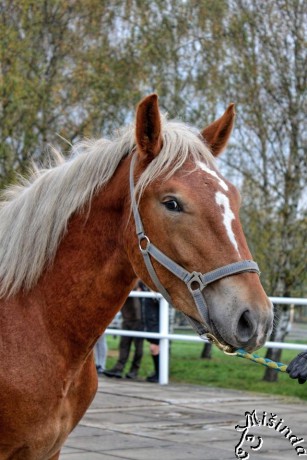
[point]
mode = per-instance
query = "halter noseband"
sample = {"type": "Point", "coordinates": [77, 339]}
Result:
{"type": "Point", "coordinates": [195, 281]}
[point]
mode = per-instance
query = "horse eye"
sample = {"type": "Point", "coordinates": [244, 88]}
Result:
{"type": "Point", "coordinates": [172, 205]}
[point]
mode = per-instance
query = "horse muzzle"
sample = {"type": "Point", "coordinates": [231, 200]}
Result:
{"type": "Point", "coordinates": [234, 321]}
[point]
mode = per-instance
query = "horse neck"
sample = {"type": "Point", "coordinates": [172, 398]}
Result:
{"type": "Point", "coordinates": [91, 276]}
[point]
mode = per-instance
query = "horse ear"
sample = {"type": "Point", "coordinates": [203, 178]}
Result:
{"type": "Point", "coordinates": [218, 133]}
{"type": "Point", "coordinates": [148, 128]}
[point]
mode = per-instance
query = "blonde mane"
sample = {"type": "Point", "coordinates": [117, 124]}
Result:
{"type": "Point", "coordinates": [35, 214]}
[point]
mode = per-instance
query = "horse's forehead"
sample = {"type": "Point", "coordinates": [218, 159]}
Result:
{"type": "Point", "coordinates": [221, 198]}
{"type": "Point", "coordinates": [209, 170]}
{"type": "Point", "coordinates": [201, 170]}
{"type": "Point", "coordinates": [198, 178]}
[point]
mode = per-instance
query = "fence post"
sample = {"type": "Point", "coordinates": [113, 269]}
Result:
{"type": "Point", "coordinates": [164, 343]}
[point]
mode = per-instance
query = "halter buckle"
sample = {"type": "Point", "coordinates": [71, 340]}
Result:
{"type": "Point", "coordinates": [194, 281]}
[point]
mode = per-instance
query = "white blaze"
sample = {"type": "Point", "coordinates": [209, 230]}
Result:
{"type": "Point", "coordinates": [205, 168]}
{"type": "Point", "coordinates": [223, 201]}
{"type": "Point", "coordinates": [228, 216]}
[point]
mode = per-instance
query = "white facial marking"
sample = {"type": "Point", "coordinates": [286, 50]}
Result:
{"type": "Point", "coordinates": [205, 168]}
{"type": "Point", "coordinates": [223, 201]}
{"type": "Point", "coordinates": [228, 216]}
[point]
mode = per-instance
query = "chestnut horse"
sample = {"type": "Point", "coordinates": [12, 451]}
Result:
{"type": "Point", "coordinates": [69, 256]}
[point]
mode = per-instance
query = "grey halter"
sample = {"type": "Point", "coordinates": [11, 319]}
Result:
{"type": "Point", "coordinates": [195, 281]}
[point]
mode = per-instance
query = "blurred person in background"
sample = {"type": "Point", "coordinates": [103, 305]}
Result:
{"type": "Point", "coordinates": [132, 320]}
{"type": "Point", "coordinates": [151, 316]}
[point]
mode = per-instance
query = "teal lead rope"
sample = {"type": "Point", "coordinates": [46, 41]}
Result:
{"type": "Point", "coordinates": [280, 367]}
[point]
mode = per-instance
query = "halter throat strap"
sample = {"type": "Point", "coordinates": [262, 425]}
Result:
{"type": "Point", "coordinates": [195, 281]}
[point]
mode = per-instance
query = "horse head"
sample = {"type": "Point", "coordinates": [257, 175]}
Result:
{"type": "Point", "coordinates": [189, 213]}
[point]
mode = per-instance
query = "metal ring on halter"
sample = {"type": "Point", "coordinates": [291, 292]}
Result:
{"type": "Point", "coordinates": [141, 238]}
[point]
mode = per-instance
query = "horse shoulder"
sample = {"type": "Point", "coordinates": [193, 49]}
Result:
{"type": "Point", "coordinates": [48, 394]}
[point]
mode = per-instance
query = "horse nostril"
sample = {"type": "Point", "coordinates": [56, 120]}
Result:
{"type": "Point", "coordinates": [245, 328]}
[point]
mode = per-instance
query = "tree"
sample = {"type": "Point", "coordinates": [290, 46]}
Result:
{"type": "Point", "coordinates": [78, 68]}
{"type": "Point", "coordinates": [59, 73]}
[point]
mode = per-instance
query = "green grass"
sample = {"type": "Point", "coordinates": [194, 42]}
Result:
{"type": "Point", "coordinates": [222, 371]}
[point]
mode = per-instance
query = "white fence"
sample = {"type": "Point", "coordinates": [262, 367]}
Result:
{"type": "Point", "coordinates": [164, 336]}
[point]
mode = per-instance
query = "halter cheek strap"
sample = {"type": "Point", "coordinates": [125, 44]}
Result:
{"type": "Point", "coordinates": [195, 281]}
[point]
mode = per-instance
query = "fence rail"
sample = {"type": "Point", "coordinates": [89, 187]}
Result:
{"type": "Point", "coordinates": [164, 336]}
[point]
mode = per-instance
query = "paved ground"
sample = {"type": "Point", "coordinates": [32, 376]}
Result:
{"type": "Point", "coordinates": [141, 421]}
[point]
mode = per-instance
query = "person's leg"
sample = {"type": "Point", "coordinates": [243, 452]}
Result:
{"type": "Point", "coordinates": [124, 350]}
{"type": "Point", "coordinates": [100, 352]}
{"type": "Point", "coordinates": [137, 358]}
{"type": "Point", "coordinates": [155, 350]}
